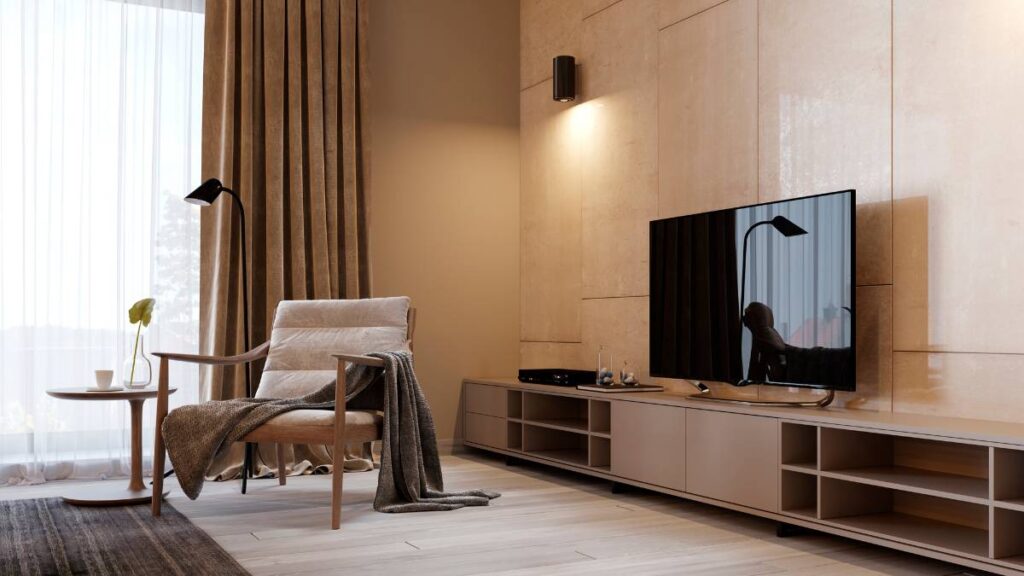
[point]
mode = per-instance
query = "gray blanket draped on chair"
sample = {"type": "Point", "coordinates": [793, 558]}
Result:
{"type": "Point", "coordinates": [410, 471]}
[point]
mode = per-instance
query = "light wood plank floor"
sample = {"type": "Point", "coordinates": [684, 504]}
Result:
{"type": "Point", "coordinates": [546, 522]}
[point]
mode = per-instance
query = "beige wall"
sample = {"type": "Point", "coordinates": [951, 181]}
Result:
{"type": "Point", "coordinates": [445, 184]}
{"type": "Point", "coordinates": [694, 105]}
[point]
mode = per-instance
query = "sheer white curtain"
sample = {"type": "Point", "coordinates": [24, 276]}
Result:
{"type": "Point", "coordinates": [100, 106]}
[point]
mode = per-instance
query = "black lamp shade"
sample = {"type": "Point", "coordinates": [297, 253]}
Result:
{"type": "Point", "coordinates": [787, 227]}
{"type": "Point", "coordinates": [564, 78]}
{"type": "Point", "coordinates": [206, 193]}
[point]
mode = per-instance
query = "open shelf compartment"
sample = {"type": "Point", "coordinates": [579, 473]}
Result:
{"type": "Point", "coordinates": [515, 404]}
{"type": "Point", "coordinates": [1008, 476]}
{"type": "Point", "coordinates": [1008, 537]}
{"type": "Point", "coordinates": [515, 436]}
{"type": "Point", "coordinates": [600, 416]}
{"type": "Point", "coordinates": [938, 523]}
{"type": "Point", "coordinates": [565, 412]}
{"type": "Point", "coordinates": [560, 445]}
{"type": "Point", "coordinates": [932, 467]}
{"type": "Point", "coordinates": [600, 452]}
{"type": "Point", "coordinates": [799, 446]}
{"type": "Point", "coordinates": [799, 495]}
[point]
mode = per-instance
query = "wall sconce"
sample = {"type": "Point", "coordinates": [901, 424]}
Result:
{"type": "Point", "coordinates": [564, 78]}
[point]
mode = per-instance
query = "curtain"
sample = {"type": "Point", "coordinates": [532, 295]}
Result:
{"type": "Point", "coordinates": [695, 266]}
{"type": "Point", "coordinates": [282, 126]}
{"type": "Point", "coordinates": [100, 106]}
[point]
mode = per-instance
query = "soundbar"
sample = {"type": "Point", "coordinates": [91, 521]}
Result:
{"type": "Point", "coordinates": [557, 376]}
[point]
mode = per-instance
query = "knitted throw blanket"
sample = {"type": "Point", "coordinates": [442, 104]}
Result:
{"type": "Point", "coordinates": [410, 470]}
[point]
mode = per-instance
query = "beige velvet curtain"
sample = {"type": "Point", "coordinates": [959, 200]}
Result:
{"type": "Point", "coordinates": [283, 86]}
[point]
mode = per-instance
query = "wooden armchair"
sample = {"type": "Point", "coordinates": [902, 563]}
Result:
{"type": "Point", "coordinates": [311, 342]}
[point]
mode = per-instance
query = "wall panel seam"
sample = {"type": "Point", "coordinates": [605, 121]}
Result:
{"type": "Point", "coordinates": [685, 18]}
{"type": "Point", "coordinates": [535, 84]}
{"type": "Point", "coordinates": [601, 10]}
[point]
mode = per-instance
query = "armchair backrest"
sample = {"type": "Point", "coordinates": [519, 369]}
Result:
{"type": "Point", "coordinates": [307, 332]}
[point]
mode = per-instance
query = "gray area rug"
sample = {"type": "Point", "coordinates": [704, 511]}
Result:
{"type": "Point", "coordinates": [48, 536]}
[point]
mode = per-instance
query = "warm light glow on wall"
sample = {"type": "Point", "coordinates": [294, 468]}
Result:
{"type": "Point", "coordinates": [583, 119]}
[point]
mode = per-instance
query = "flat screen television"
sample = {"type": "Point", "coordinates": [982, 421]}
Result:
{"type": "Point", "coordinates": [760, 294]}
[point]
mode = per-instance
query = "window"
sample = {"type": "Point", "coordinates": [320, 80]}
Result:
{"type": "Point", "coordinates": [100, 105]}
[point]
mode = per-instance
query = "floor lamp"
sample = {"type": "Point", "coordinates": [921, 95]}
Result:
{"type": "Point", "coordinates": [787, 228]}
{"type": "Point", "coordinates": [204, 195]}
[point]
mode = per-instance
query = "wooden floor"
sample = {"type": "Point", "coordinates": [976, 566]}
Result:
{"type": "Point", "coordinates": [546, 522]}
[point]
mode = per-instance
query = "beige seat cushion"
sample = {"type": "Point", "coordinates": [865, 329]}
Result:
{"type": "Point", "coordinates": [317, 426]}
{"type": "Point", "coordinates": [307, 332]}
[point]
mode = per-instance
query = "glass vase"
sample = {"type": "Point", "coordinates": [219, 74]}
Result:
{"type": "Point", "coordinates": [143, 370]}
{"type": "Point", "coordinates": [605, 375]}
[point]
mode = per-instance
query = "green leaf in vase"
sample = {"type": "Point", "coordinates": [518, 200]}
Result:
{"type": "Point", "coordinates": [142, 311]}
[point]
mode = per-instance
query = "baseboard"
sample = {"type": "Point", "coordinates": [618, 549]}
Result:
{"type": "Point", "coordinates": [449, 446]}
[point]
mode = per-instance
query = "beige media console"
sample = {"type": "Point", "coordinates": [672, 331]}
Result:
{"type": "Point", "coordinates": [946, 488]}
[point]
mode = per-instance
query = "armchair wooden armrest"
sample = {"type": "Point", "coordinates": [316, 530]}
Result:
{"type": "Point", "coordinates": [159, 450]}
{"type": "Point", "coordinates": [256, 353]}
{"type": "Point", "coordinates": [359, 359]}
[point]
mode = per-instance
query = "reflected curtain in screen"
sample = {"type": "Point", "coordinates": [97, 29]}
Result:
{"type": "Point", "coordinates": [696, 270]}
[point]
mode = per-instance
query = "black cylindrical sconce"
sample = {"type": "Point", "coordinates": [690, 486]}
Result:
{"type": "Point", "coordinates": [564, 78]}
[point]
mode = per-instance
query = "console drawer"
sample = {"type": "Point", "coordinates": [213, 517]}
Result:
{"type": "Point", "coordinates": [486, 430]}
{"type": "Point", "coordinates": [488, 400]}
{"type": "Point", "coordinates": [733, 458]}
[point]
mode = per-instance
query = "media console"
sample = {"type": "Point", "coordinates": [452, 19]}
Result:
{"type": "Point", "coordinates": [946, 488]}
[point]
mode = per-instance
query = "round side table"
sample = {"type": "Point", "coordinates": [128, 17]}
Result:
{"type": "Point", "coordinates": [136, 493]}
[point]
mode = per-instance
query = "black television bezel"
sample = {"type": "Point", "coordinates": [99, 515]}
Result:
{"type": "Point", "coordinates": [853, 291]}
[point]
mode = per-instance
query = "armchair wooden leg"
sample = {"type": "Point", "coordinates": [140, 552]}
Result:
{"type": "Point", "coordinates": [159, 451]}
{"type": "Point", "coordinates": [338, 469]}
{"type": "Point", "coordinates": [336, 477]}
{"type": "Point", "coordinates": [282, 475]}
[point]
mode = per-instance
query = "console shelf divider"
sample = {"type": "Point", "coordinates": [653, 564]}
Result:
{"type": "Point", "coordinates": [952, 486]}
{"type": "Point", "coordinates": [566, 424]}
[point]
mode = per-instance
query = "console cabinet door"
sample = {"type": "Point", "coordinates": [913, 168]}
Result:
{"type": "Point", "coordinates": [733, 458]}
{"type": "Point", "coordinates": [648, 443]}
{"type": "Point", "coordinates": [486, 430]}
{"type": "Point", "coordinates": [487, 400]}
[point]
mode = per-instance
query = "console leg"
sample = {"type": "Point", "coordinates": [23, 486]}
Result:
{"type": "Point", "coordinates": [783, 530]}
{"type": "Point", "coordinates": [619, 488]}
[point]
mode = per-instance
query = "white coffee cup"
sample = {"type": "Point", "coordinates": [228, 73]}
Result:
{"type": "Point", "coordinates": [104, 378]}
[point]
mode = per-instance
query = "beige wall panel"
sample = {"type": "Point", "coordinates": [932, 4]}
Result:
{"type": "Point", "coordinates": [550, 218]}
{"type": "Point", "coordinates": [874, 357]}
{"type": "Point", "coordinates": [621, 326]}
{"type": "Point", "coordinates": [980, 386]}
{"type": "Point", "coordinates": [552, 355]}
{"type": "Point", "coordinates": [672, 11]}
{"type": "Point", "coordinates": [958, 110]}
{"type": "Point", "coordinates": [548, 28]}
{"type": "Point", "coordinates": [444, 198]}
{"type": "Point", "coordinates": [619, 170]}
{"type": "Point", "coordinates": [874, 351]}
{"type": "Point", "coordinates": [825, 112]}
{"type": "Point", "coordinates": [707, 102]}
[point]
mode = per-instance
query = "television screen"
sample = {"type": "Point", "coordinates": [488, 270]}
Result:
{"type": "Point", "coordinates": [756, 295]}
